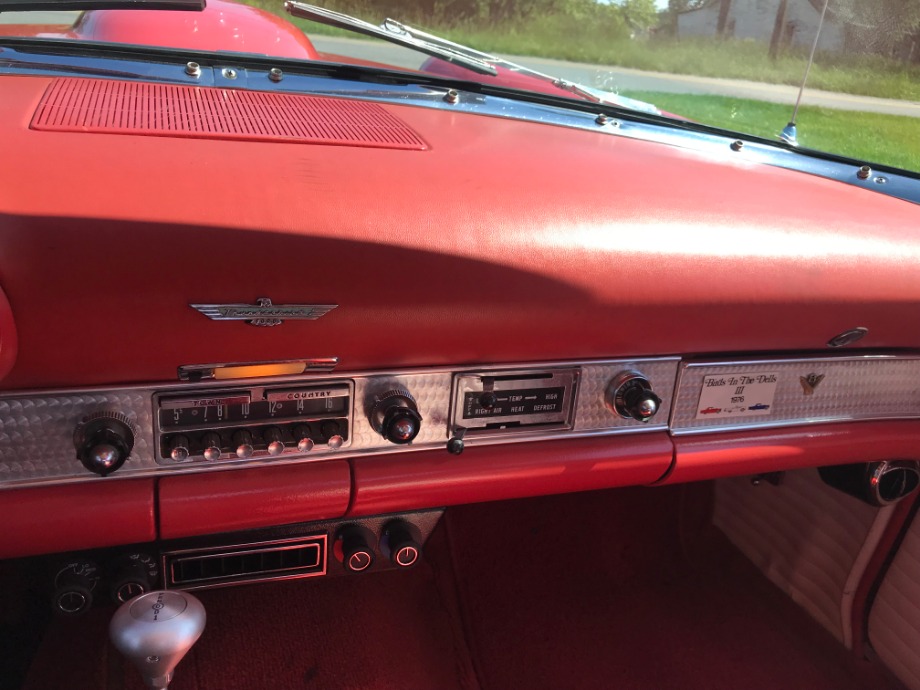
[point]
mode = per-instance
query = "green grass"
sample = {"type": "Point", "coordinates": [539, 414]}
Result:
{"type": "Point", "coordinates": [889, 139]}
{"type": "Point", "coordinates": [604, 41]}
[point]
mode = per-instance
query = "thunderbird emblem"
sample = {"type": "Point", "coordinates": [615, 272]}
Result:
{"type": "Point", "coordinates": [264, 313]}
{"type": "Point", "coordinates": [810, 382]}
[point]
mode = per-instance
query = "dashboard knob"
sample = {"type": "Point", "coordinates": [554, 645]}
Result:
{"type": "Point", "coordinates": [211, 443]}
{"type": "Point", "coordinates": [104, 441]}
{"type": "Point", "coordinates": [403, 548]}
{"type": "Point", "coordinates": [273, 436]}
{"type": "Point", "coordinates": [132, 576]}
{"type": "Point", "coordinates": [242, 439]}
{"type": "Point", "coordinates": [73, 587]}
{"type": "Point", "coordinates": [178, 448]}
{"type": "Point", "coordinates": [357, 553]}
{"type": "Point", "coordinates": [630, 395]}
{"type": "Point", "coordinates": [302, 436]}
{"type": "Point", "coordinates": [395, 416]}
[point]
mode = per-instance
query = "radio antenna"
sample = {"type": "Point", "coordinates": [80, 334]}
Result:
{"type": "Point", "coordinates": [789, 133]}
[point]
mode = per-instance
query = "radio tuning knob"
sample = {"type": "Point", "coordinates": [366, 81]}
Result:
{"type": "Point", "coordinates": [104, 441]}
{"type": "Point", "coordinates": [395, 416]}
{"type": "Point", "coordinates": [272, 436]}
{"type": "Point", "coordinates": [630, 395]}
{"type": "Point", "coordinates": [211, 442]}
{"type": "Point", "coordinates": [242, 439]}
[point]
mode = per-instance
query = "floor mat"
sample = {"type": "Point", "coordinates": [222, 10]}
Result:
{"type": "Point", "coordinates": [597, 590]}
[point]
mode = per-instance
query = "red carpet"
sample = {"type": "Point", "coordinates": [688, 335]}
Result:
{"type": "Point", "coordinates": [618, 589]}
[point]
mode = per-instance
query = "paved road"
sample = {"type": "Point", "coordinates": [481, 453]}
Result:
{"type": "Point", "coordinates": [622, 79]}
{"type": "Point", "coordinates": [619, 79]}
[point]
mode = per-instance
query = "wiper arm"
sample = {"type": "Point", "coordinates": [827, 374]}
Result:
{"type": "Point", "coordinates": [400, 29]}
{"type": "Point", "coordinates": [435, 49]}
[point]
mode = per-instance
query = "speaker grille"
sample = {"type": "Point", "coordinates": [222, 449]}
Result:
{"type": "Point", "coordinates": [246, 563]}
{"type": "Point", "coordinates": [123, 107]}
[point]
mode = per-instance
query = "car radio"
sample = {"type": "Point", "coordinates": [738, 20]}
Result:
{"type": "Point", "coordinates": [496, 402]}
{"type": "Point", "coordinates": [246, 423]}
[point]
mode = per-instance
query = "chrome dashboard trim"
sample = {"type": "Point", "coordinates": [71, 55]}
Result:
{"type": "Point", "coordinates": [714, 146]}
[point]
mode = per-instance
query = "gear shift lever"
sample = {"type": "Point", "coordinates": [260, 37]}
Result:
{"type": "Point", "coordinates": [155, 631]}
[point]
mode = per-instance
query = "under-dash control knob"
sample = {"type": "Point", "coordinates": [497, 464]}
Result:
{"type": "Point", "coordinates": [273, 438]}
{"type": "Point", "coordinates": [132, 576]}
{"type": "Point", "coordinates": [304, 440]}
{"type": "Point", "coordinates": [104, 441]}
{"type": "Point", "coordinates": [73, 587]}
{"type": "Point", "coordinates": [242, 439]}
{"type": "Point", "coordinates": [357, 552]}
{"type": "Point", "coordinates": [630, 395]}
{"type": "Point", "coordinates": [403, 548]}
{"type": "Point", "coordinates": [211, 443]}
{"type": "Point", "coordinates": [395, 416]}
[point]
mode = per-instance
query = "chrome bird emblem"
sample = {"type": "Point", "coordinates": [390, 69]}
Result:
{"type": "Point", "coordinates": [810, 382]}
{"type": "Point", "coordinates": [264, 313]}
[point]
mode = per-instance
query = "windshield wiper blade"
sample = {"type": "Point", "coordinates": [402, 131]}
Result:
{"type": "Point", "coordinates": [344, 21]}
{"type": "Point", "coordinates": [401, 29]}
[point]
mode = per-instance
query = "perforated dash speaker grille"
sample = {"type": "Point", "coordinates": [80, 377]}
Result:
{"type": "Point", "coordinates": [121, 107]}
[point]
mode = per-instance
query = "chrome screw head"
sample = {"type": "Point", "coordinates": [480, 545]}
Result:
{"type": "Point", "coordinates": [229, 73]}
{"type": "Point", "coordinates": [737, 145]}
{"type": "Point", "coordinates": [864, 172]}
{"type": "Point", "coordinates": [452, 96]}
{"type": "Point", "coordinates": [193, 69]}
{"type": "Point", "coordinates": [275, 74]}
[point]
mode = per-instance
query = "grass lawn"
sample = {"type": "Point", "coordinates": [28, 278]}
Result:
{"type": "Point", "coordinates": [868, 137]}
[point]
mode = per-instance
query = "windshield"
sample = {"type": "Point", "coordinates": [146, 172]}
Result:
{"type": "Point", "coordinates": [732, 64]}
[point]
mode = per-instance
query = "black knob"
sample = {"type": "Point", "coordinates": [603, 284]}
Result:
{"type": "Point", "coordinates": [630, 395]}
{"type": "Point", "coordinates": [403, 548]}
{"type": "Point", "coordinates": [132, 576]}
{"type": "Point", "coordinates": [357, 553]}
{"type": "Point", "coordinates": [242, 439]}
{"type": "Point", "coordinates": [488, 399]}
{"type": "Point", "coordinates": [211, 443]}
{"type": "Point", "coordinates": [273, 438]}
{"type": "Point", "coordinates": [395, 417]}
{"type": "Point", "coordinates": [104, 441]}
{"type": "Point", "coordinates": [73, 587]}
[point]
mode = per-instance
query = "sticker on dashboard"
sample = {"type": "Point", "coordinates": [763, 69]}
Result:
{"type": "Point", "coordinates": [736, 395]}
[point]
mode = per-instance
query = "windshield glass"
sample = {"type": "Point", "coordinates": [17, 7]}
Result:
{"type": "Point", "coordinates": [734, 64]}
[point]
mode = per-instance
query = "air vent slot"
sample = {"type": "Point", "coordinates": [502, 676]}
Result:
{"type": "Point", "coordinates": [105, 106]}
{"type": "Point", "coordinates": [197, 569]}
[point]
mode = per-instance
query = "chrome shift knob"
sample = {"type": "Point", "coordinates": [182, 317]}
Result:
{"type": "Point", "coordinates": [155, 631]}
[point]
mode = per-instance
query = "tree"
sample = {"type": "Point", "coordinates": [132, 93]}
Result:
{"type": "Point", "coordinates": [640, 15]}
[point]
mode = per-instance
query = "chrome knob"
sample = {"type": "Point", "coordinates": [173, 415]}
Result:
{"type": "Point", "coordinates": [103, 441]}
{"type": "Point", "coordinates": [178, 448]}
{"type": "Point", "coordinates": [305, 442]}
{"type": "Point", "coordinates": [630, 396]}
{"type": "Point", "coordinates": [155, 631]}
{"type": "Point", "coordinates": [211, 446]}
{"type": "Point", "coordinates": [243, 441]}
{"type": "Point", "coordinates": [335, 442]}
{"type": "Point", "coordinates": [272, 436]}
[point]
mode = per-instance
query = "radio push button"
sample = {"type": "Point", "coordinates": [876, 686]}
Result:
{"type": "Point", "coordinates": [302, 436]}
{"type": "Point", "coordinates": [395, 416]}
{"type": "Point", "coordinates": [242, 439]}
{"type": "Point", "coordinates": [273, 438]}
{"type": "Point", "coordinates": [211, 442]}
{"type": "Point", "coordinates": [630, 395]}
{"type": "Point", "coordinates": [178, 448]}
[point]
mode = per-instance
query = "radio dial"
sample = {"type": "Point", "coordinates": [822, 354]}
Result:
{"type": "Point", "coordinates": [104, 441]}
{"type": "Point", "coordinates": [630, 395]}
{"type": "Point", "coordinates": [395, 416]}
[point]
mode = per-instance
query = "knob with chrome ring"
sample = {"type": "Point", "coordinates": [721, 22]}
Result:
{"type": "Point", "coordinates": [395, 416]}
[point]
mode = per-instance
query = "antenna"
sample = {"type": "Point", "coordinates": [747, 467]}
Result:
{"type": "Point", "coordinates": [789, 133]}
